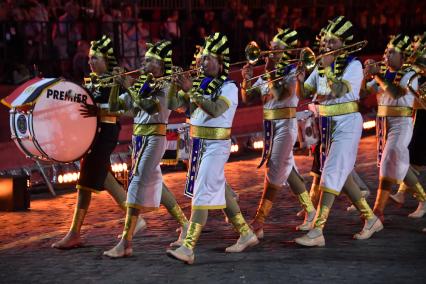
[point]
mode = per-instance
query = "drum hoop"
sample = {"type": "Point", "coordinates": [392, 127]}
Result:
{"type": "Point", "coordinates": [19, 140]}
{"type": "Point", "coordinates": [45, 156]}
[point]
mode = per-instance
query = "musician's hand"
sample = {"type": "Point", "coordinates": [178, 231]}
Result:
{"type": "Point", "coordinates": [370, 69]}
{"type": "Point", "coordinates": [301, 72]}
{"type": "Point", "coordinates": [270, 64]}
{"type": "Point", "coordinates": [184, 82]}
{"type": "Point", "coordinates": [87, 110]}
{"type": "Point", "coordinates": [247, 71]}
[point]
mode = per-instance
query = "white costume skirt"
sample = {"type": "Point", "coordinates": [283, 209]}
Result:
{"type": "Point", "coordinates": [395, 158]}
{"type": "Point", "coordinates": [281, 160]}
{"type": "Point", "coordinates": [345, 133]}
{"type": "Point", "coordinates": [209, 186]}
{"type": "Point", "coordinates": [146, 179]}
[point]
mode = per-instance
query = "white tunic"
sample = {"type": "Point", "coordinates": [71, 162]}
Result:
{"type": "Point", "coordinates": [281, 160]}
{"type": "Point", "coordinates": [346, 129]}
{"type": "Point", "coordinates": [395, 159]}
{"type": "Point", "coordinates": [145, 187]}
{"type": "Point", "coordinates": [209, 187]}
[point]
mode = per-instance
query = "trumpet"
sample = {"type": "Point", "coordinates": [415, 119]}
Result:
{"type": "Point", "coordinates": [107, 80]}
{"type": "Point", "coordinates": [253, 52]}
{"type": "Point", "coordinates": [178, 71]}
{"type": "Point", "coordinates": [309, 60]}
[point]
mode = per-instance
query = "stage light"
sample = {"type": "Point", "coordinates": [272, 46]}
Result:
{"type": "Point", "coordinates": [258, 144]}
{"type": "Point", "coordinates": [60, 179]}
{"type": "Point", "coordinates": [369, 124]}
{"type": "Point", "coordinates": [234, 148]}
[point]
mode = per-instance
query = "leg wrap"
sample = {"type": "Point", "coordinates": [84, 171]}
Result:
{"type": "Point", "coordinates": [419, 192]}
{"type": "Point", "coordinates": [322, 216]}
{"type": "Point", "coordinates": [130, 224]}
{"type": "Point", "coordinates": [381, 200]}
{"type": "Point", "coordinates": [240, 224]}
{"type": "Point", "coordinates": [306, 202]}
{"type": "Point", "coordinates": [265, 206]}
{"type": "Point", "coordinates": [178, 214]}
{"type": "Point", "coordinates": [192, 235]}
{"type": "Point", "coordinates": [364, 208]}
{"type": "Point", "coordinates": [326, 201]}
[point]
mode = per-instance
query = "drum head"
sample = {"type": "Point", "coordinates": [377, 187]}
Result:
{"type": "Point", "coordinates": [60, 131]}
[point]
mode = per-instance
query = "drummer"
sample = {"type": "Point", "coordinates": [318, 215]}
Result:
{"type": "Point", "coordinates": [95, 174]}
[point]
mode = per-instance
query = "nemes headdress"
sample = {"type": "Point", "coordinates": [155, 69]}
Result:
{"type": "Point", "coordinates": [341, 28]}
{"type": "Point", "coordinates": [104, 48]}
{"type": "Point", "coordinates": [162, 51]}
{"type": "Point", "coordinates": [218, 46]}
{"type": "Point", "coordinates": [400, 43]}
{"type": "Point", "coordinates": [286, 37]}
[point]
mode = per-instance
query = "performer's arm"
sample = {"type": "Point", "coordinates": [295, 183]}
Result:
{"type": "Point", "coordinates": [176, 99]}
{"type": "Point", "coordinates": [248, 93]}
{"type": "Point", "coordinates": [149, 104]}
{"type": "Point", "coordinates": [393, 90]}
{"type": "Point", "coordinates": [212, 108]}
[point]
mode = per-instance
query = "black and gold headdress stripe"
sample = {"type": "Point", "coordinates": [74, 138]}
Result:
{"type": "Point", "coordinates": [104, 47]}
{"type": "Point", "coordinates": [400, 43]}
{"type": "Point", "coordinates": [340, 27]}
{"type": "Point", "coordinates": [343, 29]}
{"type": "Point", "coordinates": [286, 38]}
{"type": "Point", "coordinates": [162, 51]}
{"type": "Point", "coordinates": [217, 45]}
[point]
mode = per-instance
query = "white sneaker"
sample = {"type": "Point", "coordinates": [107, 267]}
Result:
{"type": "Point", "coordinates": [243, 242]}
{"type": "Point", "coordinates": [420, 211]}
{"type": "Point", "coordinates": [368, 230]}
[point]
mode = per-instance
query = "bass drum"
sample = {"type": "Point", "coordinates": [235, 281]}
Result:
{"type": "Point", "coordinates": [50, 127]}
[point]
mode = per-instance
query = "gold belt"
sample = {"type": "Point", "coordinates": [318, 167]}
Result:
{"type": "Point", "coordinates": [338, 109]}
{"type": "Point", "coordinates": [212, 133]}
{"type": "Point", "coordinates": [109, 119]}
{"type": "Point", "coordinates": [279, 113]}
{"type": "Point", "coordinates": [150, 129]}
{"type": "Point", "coordinates": [394, 111]}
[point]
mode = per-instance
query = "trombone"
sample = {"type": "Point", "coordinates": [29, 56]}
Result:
{"type": "Point", "coordinates": [309, 60]}
{"type": "Point", "coordinates": [253, 52]}
{"type": "Point", "coordinates": [419, 65]}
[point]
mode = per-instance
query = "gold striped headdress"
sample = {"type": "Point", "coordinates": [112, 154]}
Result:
{"type": "Point", "coordinates": [286, 37]}
{"type": "Point", "coordinates": [104, 48]}
{"type": "Point", "coordinates": [162, 51]}
{"type": "Point", "coordinates": [218, 46]}
{"type": "Point", "coordinates": [341, 28]}
{"type": "Point", "coordinates": [400, 43]}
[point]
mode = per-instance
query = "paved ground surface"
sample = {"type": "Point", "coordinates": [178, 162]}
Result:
{"type": "Point", "coordinates": [395, 255]}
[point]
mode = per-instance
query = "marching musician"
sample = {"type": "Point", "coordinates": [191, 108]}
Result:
{"type": "Point", "coordinates": [95, 174]}
{"type": "Point", "coordinates": [280, 128]}
{"type": "Point", "coordinates": [394, 121]}
{"type": "Point", "coordinates": [147, 101]}
{"type": "Point", "coordinates": [212, 102]}
{"type": "Point", "coordinates": [416, 147]}
{"type": "Point", "coordinates": [337, 82]}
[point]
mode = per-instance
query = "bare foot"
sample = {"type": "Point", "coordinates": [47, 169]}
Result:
{"type": "Point", "coordinates": [70, 241]}
{"type": "Point", "coordinates": [122, 249]}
